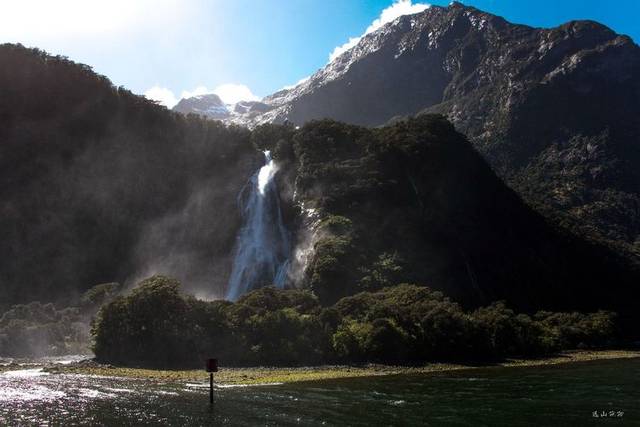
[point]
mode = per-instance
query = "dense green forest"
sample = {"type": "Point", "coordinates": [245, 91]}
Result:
{"type": "Point", "coordinates": [156, 325]}
{"type": "Point", "coordinates": [415, 203]}
{"type": "Point", "coordinates": [99, 185]}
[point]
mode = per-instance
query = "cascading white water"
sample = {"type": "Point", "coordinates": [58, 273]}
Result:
{"type": "Point", "coordinates": [263, 246]}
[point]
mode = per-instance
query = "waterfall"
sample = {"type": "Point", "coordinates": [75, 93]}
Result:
{"type": "Point", "coordinates": [262, 248]}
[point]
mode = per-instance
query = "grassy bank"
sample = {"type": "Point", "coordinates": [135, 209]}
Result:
{"type": "Point", "coordinates": [265, 375]}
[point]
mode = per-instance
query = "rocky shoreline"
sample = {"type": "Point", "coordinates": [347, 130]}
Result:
{"type": "Point", "coordinates": [271, 375]}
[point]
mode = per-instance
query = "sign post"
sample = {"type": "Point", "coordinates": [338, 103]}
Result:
{"type": "Point", "coordinates": [212, 366]}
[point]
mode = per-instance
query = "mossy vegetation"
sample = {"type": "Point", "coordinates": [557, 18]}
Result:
{"type": "Point", "coordinates": [271, 375]}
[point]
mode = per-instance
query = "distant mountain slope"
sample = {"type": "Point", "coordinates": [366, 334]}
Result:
{"type": "Point", "coordinates": [210, 106]}
{"type": "Point", "coordinates": [556, 111]}
{"type": "Point", "coordinates": [99, 185]}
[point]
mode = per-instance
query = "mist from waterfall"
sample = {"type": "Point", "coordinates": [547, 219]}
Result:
{"type": "Point", "coordinates": [263, 246]}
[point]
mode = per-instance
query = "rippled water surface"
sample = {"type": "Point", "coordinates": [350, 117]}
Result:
{"type": "Point", "coordinates": [564, 395]}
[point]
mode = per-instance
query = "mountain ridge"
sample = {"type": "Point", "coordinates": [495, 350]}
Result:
{"type": "Point", "coordinates": [209, 106]}
{"type": "Point", "coordinates": [524, 96]}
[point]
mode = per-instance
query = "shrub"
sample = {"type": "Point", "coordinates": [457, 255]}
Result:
{"type": "Point", "coordinates": [155, 325]}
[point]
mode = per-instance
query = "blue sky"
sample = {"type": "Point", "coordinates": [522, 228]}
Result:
{"type": "Point", "coordinates": [240, 48]}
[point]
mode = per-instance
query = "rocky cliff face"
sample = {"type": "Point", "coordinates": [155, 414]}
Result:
{"type": "Point", "coordinates": [554, 111]}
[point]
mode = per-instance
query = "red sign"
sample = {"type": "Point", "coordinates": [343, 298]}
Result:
{"type": "Point", "coordinates": [212, 365]}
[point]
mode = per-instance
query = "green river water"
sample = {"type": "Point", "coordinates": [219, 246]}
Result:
{"type": "Point", "coordinates": [561, 395]}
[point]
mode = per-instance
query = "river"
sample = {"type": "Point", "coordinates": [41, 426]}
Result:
{"type": "Point", "coordinates": [561, 395]}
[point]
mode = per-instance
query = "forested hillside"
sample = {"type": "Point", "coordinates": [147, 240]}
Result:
{"type": "Point", "coordinates": [414, 202]}
{"type": "Point", "coordinates": [99, 185]}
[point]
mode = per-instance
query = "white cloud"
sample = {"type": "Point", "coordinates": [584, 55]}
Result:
{"type": "Point", "coordinates": [397, 9]}
{"type": "Point", "coordinates": [230, 93]}
{"type": "Point", "coordinates": [200, 90]}
{"type": "Point", "coordinates": [339, 50]}
{"type": "Point", "coordinates": [163, 95]}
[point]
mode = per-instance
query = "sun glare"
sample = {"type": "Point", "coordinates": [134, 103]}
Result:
{"type": "Point", "coordinates": [65, 18]}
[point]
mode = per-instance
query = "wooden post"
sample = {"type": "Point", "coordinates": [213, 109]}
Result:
{"type": "Point", "coordinates": [210, 387]}
{"type": "Point", "coordinates": [212, 366]}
